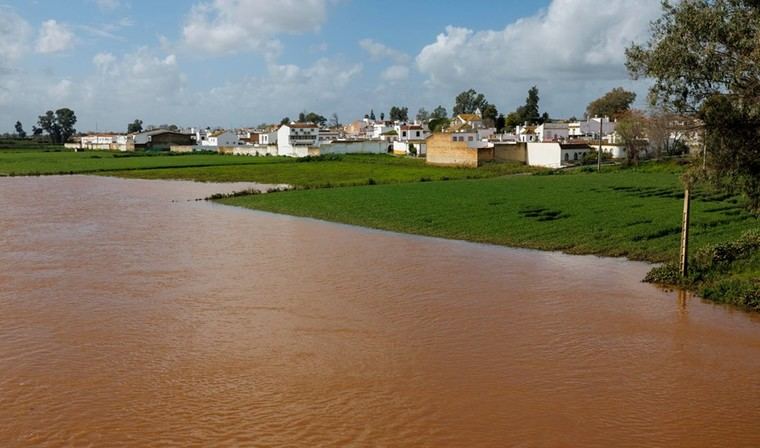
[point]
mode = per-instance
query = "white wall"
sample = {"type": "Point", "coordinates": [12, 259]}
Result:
{"type": "Point", "coordinates": [363, 147]}
{"type": "Point", "coordinates": [545, 154]}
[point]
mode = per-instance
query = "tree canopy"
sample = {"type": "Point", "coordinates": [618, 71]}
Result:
{"type": "Point", "coordinates": [135, 126]}
{"type": "Point", "coordinates": [527, 113]}
{"type": "Point", "coordinates": [20, 132]}
{"type": "Point", "coordinates": [703, 58]}
{"type": "Point", "coordinates": [439, 112]}
{"type": "Point", "coordinates": [59, 125]}
{"type": "Point", "coordinates": [399, 113]}
{"type": "Point", "coordinates": [612, 104]}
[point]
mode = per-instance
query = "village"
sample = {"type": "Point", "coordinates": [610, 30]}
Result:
{"type": "Point", "coordinates": [468, 140]}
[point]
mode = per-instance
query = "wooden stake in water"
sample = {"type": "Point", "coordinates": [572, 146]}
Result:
{"type": "Point", "coordinates": [684, 255]}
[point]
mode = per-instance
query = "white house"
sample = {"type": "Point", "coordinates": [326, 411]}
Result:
{"type": "Point", "coordinates": [591, 127]}
{"type": "Point", "coordinates": [295, 139]}
{"type": "Point", "coordinates": [408, 132]}
{"type": "Point", "coordinates": [474, 120]}
{"type": "Point", "coordinates": [268, 137]}
{"type": "Point", "coordinates": [381, 128]}
{"type": "Point", "coordinates": [221, 138]}
{"type": "Point", "coordinates": [552, 132]}
{"type": "Point", "coordinates": [526, 133]}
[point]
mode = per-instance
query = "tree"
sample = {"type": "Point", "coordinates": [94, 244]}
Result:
{"type": "Point", "coordinates": [334, 121]}
{"type": "Point", "coordinates": [302, 117]}
{"type": "Point", "coordinates": [612, 104]}
{"type": "Point", "coordinates": [66, 119]}
{"type": "Point", "coordinates": [439, 112]}
{"type": "Point", "coordinates": [512, 120]}
{"type": "Point", "coordinates": [372, 114]}
{"type": "Point", "coordinates": [468, 102]}
{"type": "Point", "coordinates": [315, 118]}
{"type": "Point", "coordinates": [632, 128]}
{"type": "Point", "coordinates": [501, 123]}
{"type": "Point", "coordinates": [399, 113]}
{"type": "Point", "coordinates": [422, 115]}
{"type": "Point", "coordinates": [489, 114]}
{"type": "Point", "coordinates": [20, 133]}
{"type": "Point", "coordinates": [285, 120]}
{"type": "Point", "coordinates": [438, 124]}
{"type": "Point", "coordinates": [530, 112]}
{"type": "Point", "coordinates": [382, 116]}
{"type": "Point", "coordinates": [665, 131]}
{"type": "Point", "coordinates": [48, 124]}
{"type": "Point", "coordinates": [702, 56]}
{"type": "Point", "coordinates": [135, 126]}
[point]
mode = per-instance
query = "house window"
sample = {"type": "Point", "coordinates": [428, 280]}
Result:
{"type": "Point", "coordinates": [567, 157]}
{"type": "Point", "coordinates": [403, 134]}
{"type": "Point", "coordinates": [469, 139]}
{"type": "Point", "coordinates": [418, 133]}
{"type": "Point", "coordinates": [575, 156]}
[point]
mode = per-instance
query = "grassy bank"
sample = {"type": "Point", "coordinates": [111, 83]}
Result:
{"type": "Point", "coordinates": [727, 272]}
{"type": "Point", "coordinates": [629, 213]}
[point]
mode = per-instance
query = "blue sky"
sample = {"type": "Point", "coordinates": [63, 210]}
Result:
{"type": "Point", "coordinates": [237, 63]}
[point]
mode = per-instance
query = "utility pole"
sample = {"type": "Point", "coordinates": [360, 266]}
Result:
{"type": "Point", "coordinates": [684, 255]}
{"type": "Point", "coordinates": [599, 154]}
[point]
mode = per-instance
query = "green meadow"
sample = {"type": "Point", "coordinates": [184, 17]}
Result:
{"type": "Point", "coordinates": [305, 173]}
{"type": "Point", "coordinates": [622, 213]}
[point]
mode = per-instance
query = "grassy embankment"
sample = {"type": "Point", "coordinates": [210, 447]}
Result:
{"type": "Point", "coordinates": [304, 173]}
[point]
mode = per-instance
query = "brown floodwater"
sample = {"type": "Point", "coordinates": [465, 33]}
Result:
{"type": "Point", "coordinates": [131, 315]}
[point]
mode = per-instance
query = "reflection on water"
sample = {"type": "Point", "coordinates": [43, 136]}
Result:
{"type": "Point", "coordinates": [129, 316]}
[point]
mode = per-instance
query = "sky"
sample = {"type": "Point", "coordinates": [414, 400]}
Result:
{"type": "Point", "coordinates": [236, 63]}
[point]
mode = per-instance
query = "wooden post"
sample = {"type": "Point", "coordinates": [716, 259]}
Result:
{"type": "Point", "coordinates": [684, 256]}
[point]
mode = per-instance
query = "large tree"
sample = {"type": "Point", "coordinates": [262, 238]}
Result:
{"type": "Point", "coordinates": [527, 113]}
{"type": "Point", "coordinates": [399, 113]}
{"type": "Point", "coordinates": [703, 58]}
{"type": "Point", "coordinates": [59, 125]}
{"type": "Point", "coordinates": [135, 126]}
{"type": "Point", "coordinates": [20, 132]}
{"type": "Point", "coordinates": [439, 112]}
{"type": "Point", "coordinates": [612, 104]}
{"type": "Point", "coordinates": [468, 102]}
{"type": "Point", "coordinates": [422, 115]}
{"type": "Point", "coordinates": [632, 129]}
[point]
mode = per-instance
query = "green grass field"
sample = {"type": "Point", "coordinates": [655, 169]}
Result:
{"type": "Point", "coordinates": [320, 172]}
{"type": "Point", "coordinates": [68, 162]}
{"type": "Point", "coordinates": [628, 213]}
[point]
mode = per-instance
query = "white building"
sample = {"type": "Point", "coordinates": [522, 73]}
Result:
{"type": "Point", "coordinates": [526, 133]}
{"type": "Point", "coordinates": [221, 138]}
{"type": "Point", "coordinates": [381, 128]}
{"type": "Point", "coordinates": [591, 127]}
{"type": "Point", "coordinates": [552, 132]}
{"type": "Point", "coordinates": [555, 155]}
{"type": "Point", "coordinates": [408, 132]}
{"type": "Point", "coordinates": [268, 137]}
{"type": "Point", "coordinates": [295, 139]}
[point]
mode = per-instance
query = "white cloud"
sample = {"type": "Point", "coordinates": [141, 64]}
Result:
{"type": "Point", "coordinates": [379, 51]}
{"type": "Point", "coordinates": [395, 73]}
{"type": "Point", "coordinates": [572, 41]}
{"type": "Point", "coordinates": [14, 36]}
{"type": "Point", "coordinates": [54, 38]}
{"type": "Point", "coordinates": [285, 90]}
{"type": "Point", "coordinates": [231, 26]}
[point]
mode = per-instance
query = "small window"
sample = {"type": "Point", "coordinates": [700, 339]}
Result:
{"type": "Point", "coordinates": [575, 156]}
{"type": "Point", "coordinates": [470, 138]}
{"type": "Point", "coordinates": [567, 157]}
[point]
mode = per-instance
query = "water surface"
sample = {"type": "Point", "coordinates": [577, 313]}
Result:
{"type": "Point", "coordinates": [131, 315]}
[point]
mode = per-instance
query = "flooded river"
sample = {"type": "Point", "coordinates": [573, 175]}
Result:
{"type": "Point", "coordinates": [131, 315]}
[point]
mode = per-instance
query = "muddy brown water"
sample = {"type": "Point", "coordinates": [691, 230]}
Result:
{"type": "Point", "coordinates": [130, 316]}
